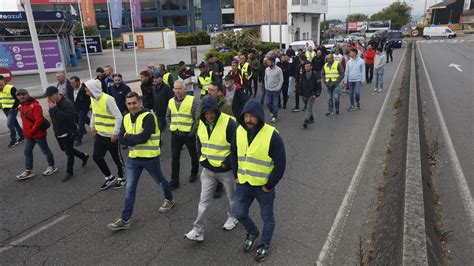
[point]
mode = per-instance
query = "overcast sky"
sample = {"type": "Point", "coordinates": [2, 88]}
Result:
{"type": "Point", "coordinates": [338, 9]}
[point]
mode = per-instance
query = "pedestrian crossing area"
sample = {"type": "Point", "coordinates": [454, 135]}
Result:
{"type": "Point", "coordinates": [446, 41]}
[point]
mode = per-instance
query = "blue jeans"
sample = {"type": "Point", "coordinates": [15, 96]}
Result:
{"type": "Point", "coordinates": [82, 120]}
{"type": "Point", "coordinates": [271, 100]}
{"type": "Point", "coordinates": [12, 124]}
{"type": "Point", "coordinates": [334, 93]}
{"type": "Point", "coordinates": [379, 78]}
{"type": "Point", "coordinates": [262, 97]}
{"type": "Point", "coordinates": [29, 146]}
{"type": "Point", "coordinates": [244, 196]}
{"type": "Point", "coordinates": [354, 92]}
{"type": "Point", "coordinates": [134, 170]}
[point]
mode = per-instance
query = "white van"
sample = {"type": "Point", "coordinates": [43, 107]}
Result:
{"type": "Point", "coordinates": [430, 32]}
{"type": "Point", "coordinates": [303, 45]}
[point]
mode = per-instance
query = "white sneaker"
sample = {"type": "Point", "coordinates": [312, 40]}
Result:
{"type": "Point", "coordinates": [230, 223]}
{"type": "Point", "coordinates": [50, 170]}
{"type": "Point", "coordinates": [379, 90]}
{"type": "Point", "coordinates": [273, 120]}
{"type": "Point", "coordinates": [375, 90]}
{"type": "Point", "coordinates": [194, 236]}
{"type": "Point", "coordinates": [25, 175]}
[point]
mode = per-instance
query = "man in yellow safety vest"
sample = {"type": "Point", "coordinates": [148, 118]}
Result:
{"type": "Point", "coordinates": [215, 133]}
{"type": "Point", "coordinates": [167, 77]}
{"type": "Point", "coordinates": [141, 133]}
{"type": "Point", "coordinates": [205, 78]}
{"type": "Point", "coordinates": [9, 103]}
{"type": "Point", "coordinates": [246, 73]}
{"type": "Point", "coordinates": [332, 75]}
{"type": "Point", "coordinates": [258, 162]}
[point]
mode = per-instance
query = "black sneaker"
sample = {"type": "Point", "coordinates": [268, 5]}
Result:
{"type": "Point", "coordinates": [337, 111]}
{"type": "Point", "coordinates": [249, 243]}
{"type": "Point", "coordinates": [67, 176]}
{"type": "Point", "coordinates": [120, 183]}
{"type": "Point", "coordinates": [262, 252]}
{"type": "Point", "coordinates": [193, 178]}
{"type": "Point", "coordinates": [328, 113]}
{"type": "Point", "coordinates": [108, 183]}
{"type": "Point", "coordinates": [305, 124]}
{"type": "Point", "coordinates": [20, 140]}
{"type": "Point", "coordinates": [174, 184]}
{"type": "Point", "coordinates": [84, 161]}
{"type": "Point", "coordinates": [358, 105]}
{"type": "Point", "coordinates": [12, 144]}
{"type": "Point", "coordinates": [218, 191]}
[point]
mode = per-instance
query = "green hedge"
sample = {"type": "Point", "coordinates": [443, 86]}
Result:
{"type": "Point", "coordinates": [198, 38]}
{"type": "Point", "coordinates": [225, 57]}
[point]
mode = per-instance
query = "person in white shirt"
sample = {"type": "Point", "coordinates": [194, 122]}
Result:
{"type": "Point", "coordinates": [379, 66]}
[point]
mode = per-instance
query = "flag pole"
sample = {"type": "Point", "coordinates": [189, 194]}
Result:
{"type": "Point", "coordinates": [133, 34]}
{"type": "Point", "coordinates": [111, 35]}
{"type": "Point", "coordinates": [85, 40]}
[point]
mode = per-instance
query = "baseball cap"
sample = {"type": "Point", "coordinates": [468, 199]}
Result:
{"type": "Point", "coordinates": [51, 90]}
{"type": "Point", "coordinates": [21, 91]}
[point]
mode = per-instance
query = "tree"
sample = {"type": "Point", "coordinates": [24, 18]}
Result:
{"type": "Point", "coordinates": [357, 17]}
{"type": "Point", "coordinates": [90, 31]}
{"type": "Point", "coordinates": [325, 24]}
{"type": "Point", "coordinates": [398, 13]}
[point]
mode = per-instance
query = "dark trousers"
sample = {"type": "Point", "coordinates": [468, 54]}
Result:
{"type": "Point", "coordinates": [101, 146]}
{"type": "Point", "coordinates": [82, 120]}
{"type": "Point", "coordinates": [369, 72]}
{"type": "Point", "coordinates": [297, 97]}
{"type": "Point", "coordinates": [177, 143]}
{"type": "Point", "coordinates": [67, 145]}
{"type": "Point", "coordinates": [389, 54]}
{"type": "Point", "coordinates": [284, 92]}
{"type": "Point", "coordinates": [255, 83]}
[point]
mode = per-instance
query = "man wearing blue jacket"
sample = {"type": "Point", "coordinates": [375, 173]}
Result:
{"type": "Point", "coordinates": [258, 163]}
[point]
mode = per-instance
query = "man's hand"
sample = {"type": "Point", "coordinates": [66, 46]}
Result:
{"type": "Point", "coordinates": [93, 131]}
{"type": "Point", "coordinates": [265, 189]}
{"type": "Point", "coordinates": [51, 104]}
{"type": "Point", "coordinates": [114, 138]}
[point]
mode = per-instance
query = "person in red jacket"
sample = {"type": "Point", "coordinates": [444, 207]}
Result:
{"type": "Point", "coordinates": [369, 56]}
{"type": "Point", "coordinates": [35, 130]}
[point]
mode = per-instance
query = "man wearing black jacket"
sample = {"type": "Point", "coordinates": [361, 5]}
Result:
{"type": "Point", "coordinates": [285, 66]}
{"type": "Point", "coordinates": [61, 111]}
{"type": "Point", "coordinates": [146, 86]}
{"type": "Point", "coordinates": [310, 89]}
{"type": "Point", "coordinates": [77, 95]}
{"type": "Point", "coordinates": [258, 161]}
{"type": "Point", "coordinates": [162, 94]}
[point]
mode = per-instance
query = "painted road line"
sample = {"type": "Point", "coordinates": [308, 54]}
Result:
{"type": "Point", "coordinates": [33, 233]}
{"type": "Point", "coordinates": [463, 187]}
{"type": "Point", "coordinates": [414, 231]}
{"type": "Point", "coordinates": [332, 241]}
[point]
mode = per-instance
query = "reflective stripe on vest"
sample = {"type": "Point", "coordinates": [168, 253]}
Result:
{"type": "Point", "coordinates": [166, 78]}
{"type": "Point", "coordinates": [181, 119]}
{"type": "Point", "coordinates": [331, 73]}
{"type": "Point", "coordinates": [149, 149]}
{"type": "Point", "coordinates": [205, 82]}
{"type": "Point", "coordinates": [6, 98]}
{"type": "Point", "coordinates": [310, 56]}
{"type": "Point", "coordinates": [244, 71]}
{"type": "Point", "coordinates": [104, 122]}
{"type": "Point", "coordinates": [254, 164]}
{"type": "Point", "coordinates": [214, 148]}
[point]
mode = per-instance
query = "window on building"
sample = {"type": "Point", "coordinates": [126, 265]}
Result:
{"type": "Point", "coordinates": [174, 5]}
{"type": "Point", "coordinates": [149, 22]}
{"type": "Point", "coordinates": [315, 1]}
{"type": "Point", "coordinates": [228, 18]}
{"type": "Point", "coordinates": [323, 2]}
{"type": "Point", "coordinates": [175, 21]}
{"type": "Point", "coordinates": [42, 7]}
{"type": "Point", "coordinates": [295, 2]}
{"type": "Point", "coordinates": [304, 2]}
{"type": "Point", "coordinates": [102, 23]}
{"type": "Point", "coordinates": [148, 6]}
{"type": "Point", "coordinates": [100, 7]}
{"type": "Point", "coordinates": [198, 14]}
{"type": "Point", "coordinates": [228, 3]}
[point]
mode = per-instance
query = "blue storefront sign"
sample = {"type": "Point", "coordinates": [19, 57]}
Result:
{"type": "Point", "coordinates": [94, 44]}
{"type": "Point", "coordinates": [21, 16]}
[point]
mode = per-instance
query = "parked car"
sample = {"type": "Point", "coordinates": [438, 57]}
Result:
{"type": "Point", "coordinates": [329, 44]}
{"type": "Point", "coordinates": [430, 32]}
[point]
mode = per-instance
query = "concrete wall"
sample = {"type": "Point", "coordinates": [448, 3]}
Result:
{"type": "Point", "coordinates": [275, 29]}
{"type": "Point", "coordinates": [307, 29]}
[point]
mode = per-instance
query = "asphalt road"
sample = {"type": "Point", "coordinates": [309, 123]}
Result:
{"type": "Point", "coordinates": [45, 221]}
{"type": "Point", "coordinates": [455, 94]}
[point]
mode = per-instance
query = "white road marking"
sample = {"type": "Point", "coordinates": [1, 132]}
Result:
{"type": "Point", "coordinates": [334, 236]}
{"type": "Point", "coordinates": [33, 233]}
{"type": "Point", "coordinates": [457, 67]}
{"type": "Point", "coordinates": [459, 176]}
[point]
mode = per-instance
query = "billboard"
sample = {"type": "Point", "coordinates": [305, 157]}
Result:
{"type": "Point", "coordinates": [94, 44]}
{"type": "Point", "coordinates": [339, 26]}
{"type": "Point", "coordinates": [19, 57]}
{"type": "Point", "coordinates": [379, 25]}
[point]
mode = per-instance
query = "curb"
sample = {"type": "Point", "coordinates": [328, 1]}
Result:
{"type": "Point", "coordinates": [414, 231]}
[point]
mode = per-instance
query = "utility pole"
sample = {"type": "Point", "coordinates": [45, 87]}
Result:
{"type": "Point", "coordinates": [347, 22]}
{"type": "Point", "coordinates": [36, 45]}
{"type": "Point", "coordinates": [270, 20]}
{"type": "Point", "coordinates": [424, 14]}
{"type": "Point", "coordinates": [281, 41]}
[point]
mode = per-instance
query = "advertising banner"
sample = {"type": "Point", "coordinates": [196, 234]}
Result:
{"type": "Point", "coordinates": [88, 13]}
{"type": "Point", "coordinates": [137, 14]}
{"type": "Point", "coordinates": [94, 44]}
{"type": "Point", "coordinates": [115, 7]}
{"type": "Point", "coordinates": [21, 16]}
{"type": "Point", "coordinates": [19, 57]}
{"type": "Point", "coordinates": [379, 25]}
{"type": "Point", "coordinates": [352, 26]}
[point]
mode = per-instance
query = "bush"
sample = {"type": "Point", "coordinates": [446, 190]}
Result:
{"type": "Point", "coordinates": [107, 45]}
{"type": "Point", "coordinates": [225, 57]}
{"type": "Point", "coordinates": [198, 38]}
{"type": "Point", "coordinates": [90, 31]}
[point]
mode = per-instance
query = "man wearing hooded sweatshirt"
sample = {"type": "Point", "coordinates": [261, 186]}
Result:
{"type": "Point", "coordinates": [105, 123]}
{"type": "Point", "coordinates": [258, 163]}
{"type": "Point", "coordinates": [354, 77]}
{"type": "Point", "coordinates": [118, 91]}
{"type": "Point", "coordinates": [215, 133]}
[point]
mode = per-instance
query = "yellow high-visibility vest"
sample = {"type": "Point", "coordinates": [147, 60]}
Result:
{"type": "Point", "coordinates": [254, 163]}
{"type": "Point", "coordinates": [6, 98]}
{"type": "Point", "coordinates": [205, 82]}
{"type": "Point", "coordinates": [104, 122]}
{"type": "Point", "coordinates": [181, 119]}
{"type": "Point", "coordinates": [166, 78]}
{"type": "Point", "coordinates": [310, 56]}
{"type": "Point", "coordinates": [215, 148]}
{"type": "Point", "coordinates": [331, 73]}
{"type": "Point", "coordinates": [149, 149]}
{"type": "Point", "coordinates": [244, 71]}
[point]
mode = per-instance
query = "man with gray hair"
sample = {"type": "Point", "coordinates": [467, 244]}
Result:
{"type": "Point", "coordinates": [63, 83]}
{"type": "Point", "coordinates": [273, 83]}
